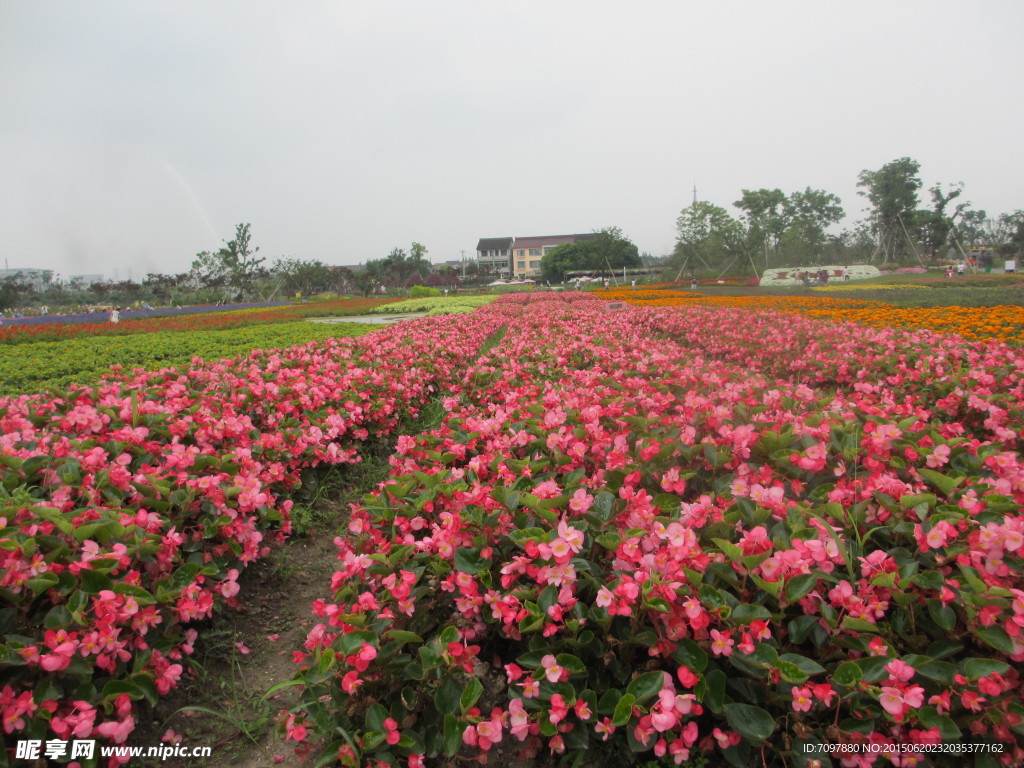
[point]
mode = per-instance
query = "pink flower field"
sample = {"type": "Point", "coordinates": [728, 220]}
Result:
{"type": "Point", "coordinates": [665, 535]}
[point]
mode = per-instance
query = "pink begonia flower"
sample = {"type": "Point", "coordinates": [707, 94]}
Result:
{"type": "Point", "coordinates": [605, 728]}
{"type": "Point", "coordinates": [117, 731]}
{"type": "Point", "coordinates": [350, 682]}
{"type": "Point", "coordinates": [803, 699]}
{"type": "Point", "coordinates": [900, 671]}
{"type": "Point", "coordinates": [580, 502]}
{"type": "Point", "coordinates": [722, 643]}
{"type": "Point", "coordinates": [558, 709]}
{"type": "Point", "coordinates": [519, 719]}
{"type": "Point", "coordinates": [552, 670]}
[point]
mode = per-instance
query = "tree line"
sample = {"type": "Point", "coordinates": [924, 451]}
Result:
{"type": "Point", "coordinates": [234, 273]}
{"type": "Point", "coordinates": [774, 228]}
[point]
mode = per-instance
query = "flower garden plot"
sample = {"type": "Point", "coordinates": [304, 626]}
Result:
{"type": "Point", "coordinates": [127, 509]}
{"type": "Point", "coordinates": [85, 360]}
{"type": "Point", "coordinates": [621, 541]}
{"type": "Point", "coordinates": [187, 320]}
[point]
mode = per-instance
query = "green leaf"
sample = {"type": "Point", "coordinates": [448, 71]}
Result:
{"type": "Point", "coordinates": [470, 694]}
{"type": "Point", "coordinates": [997, 638]}
{"type": "Point", "coordinates": [452, 735]}
{"type": "Point", "coordinates": [798, 586]}
{"type": "Point", "coordinates": [873, 667]}
{"type": "Point", "coordinates": [808, 666]}
{"type": "Point", "coordinates": [753, 723]}
{"type": "Point", "coordinates": [623, 710]}
{"type": "Point", "coordinates": [943, 482]}
{"type": "Point", "coordinates": [142, 597]}
{"type": "Point", "coordinates": [744, 613]}
{"type": "Point", "coordinates": [609, 699]}
{"type": "Point", "coordinates": [691, 655]}
{"type": "Point", "coordinates": [714, 696]}
{"type": "Point", "coordinates": [730, 550]}
{"type": "Point", "coordinates": [375, 717]}
{"type": "Point", "coordinates": [604, 506]}
{"type": "Point", "coordinates": [351, 642]}
{"type": "Point", "coordinates": [930, 718]}
{"type": "Point", "coordinates": [447, 696]}
{"type": "Point", "coordinates": [402, 636]}
{"type": "Point", "coordinates": [646, 686]}
{"type": "Point", "coordinates": [941, 614]}
{"type": "Point", "coordinates": [790, 672]}
{"type": "Point", "coordinates": [975, 668]}
{"type": "Point", "coordinates": [572, 663]}
{"type": "Point", "coordinates": [94, 581]}
{"type": "Point", "coordinates": [468, 560]}
{"type": "Point", "coordinates": [940, 671]}
{"type": "Point", "coordinates": [929, 580]}
{"type": "Point", "coordinates": [847, 675]}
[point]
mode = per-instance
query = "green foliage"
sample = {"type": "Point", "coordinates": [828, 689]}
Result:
{"type": "Point", "coordinates": [434, 305]}
{"type": "Point", "coordinates": [892, 191]}
{"type": "Point", "coordinates": [422, 291]}
{"type": "Point", "coordinates": [707, 236]}
{"type": "Point", "coordinates": [306, 276]}
{"type": "Point", "coordinates": [27, 368]}
{"type": "Point", "coordinates": [607, 250]}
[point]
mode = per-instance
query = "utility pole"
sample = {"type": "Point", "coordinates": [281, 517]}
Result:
{"type": "Point", "coordinates": [463, 264]}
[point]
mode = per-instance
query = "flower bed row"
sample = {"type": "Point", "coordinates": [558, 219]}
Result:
{"type": "Point", "coordinates": [191, 320]}
{"type": "Point", "coordinates": [618, 541]}
{"type": "Point", "coordinates": [979, 385]}
{"type": "Point", "coordinates": [127, 509]}
{"type": "Point", "coordinates": [83, 360]}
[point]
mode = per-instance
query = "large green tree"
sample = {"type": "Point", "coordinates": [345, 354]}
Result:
{"type": "Point", "coordinates": [788, 228]}
{"type": "Point", "coordinates": [892, 192]}
{"type": "Point", "coordinates": [401, 268]}
{"type": "Point", "coordinates": [706, 235]}
{"type": "Point", "coordinates": [235, 266]}
{"type": "Point", "coordinates": [305, 276]}
{"type": "Point", "coordinates": [608, 250]}
{"type": "Point", "coordinates": [766, 212]}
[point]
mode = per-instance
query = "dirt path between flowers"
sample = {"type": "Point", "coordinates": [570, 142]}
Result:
{"type": "Point", "coordinates": [243, 652]}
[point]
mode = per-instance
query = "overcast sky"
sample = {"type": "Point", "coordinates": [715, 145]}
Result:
{"type": "Point", "coordinates": [135, 134]}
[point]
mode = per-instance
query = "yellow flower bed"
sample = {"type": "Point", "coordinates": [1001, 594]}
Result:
{"type": "Point", "coordinates": [644, 296]}
{"type": "Point", "coordinates": [1004, 323]}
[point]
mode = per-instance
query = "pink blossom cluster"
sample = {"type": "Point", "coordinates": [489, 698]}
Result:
{"type": "Point", "coordinates": [674, 528]}
{"type": "Point", "coordinates": [134, 504]}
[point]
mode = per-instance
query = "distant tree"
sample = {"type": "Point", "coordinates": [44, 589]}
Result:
{"type": "Point", "coordinates": [305, 276]}
{"type": "Point", "coordinates": [706, 235]}
{"type": "Point", "coordinates": [418, 252]}
{"type": "Point", "coordinates": [892, 191]}
{"type": "Point", "coordinates": [934, 225]}
{"type": "Point", "coordinates": [766, 212]}
{"type": "Point", "coordinates": [13, 291]}
{"type": "Point", "coordinates": [236, 265]}
{"type": "Point", "coordinates": [1006, 233]}
{"type": "Point", "coordinates": [858, 244]}
{"type": "Point", "coordinates": [810, 212]}
{"type": "Point", "coordinates": [971, 228]}
{"type": "Point", "coordinates": [401, 268]}
{"type": "Point", "coordinates": [608, 250]}
{"type": "Point", "coordinates": [368, 279]}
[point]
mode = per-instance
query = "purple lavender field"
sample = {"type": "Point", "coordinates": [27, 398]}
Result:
{"type": "Point", "coordinates": [136, 314]}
